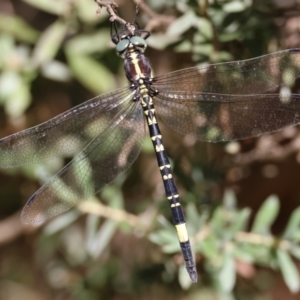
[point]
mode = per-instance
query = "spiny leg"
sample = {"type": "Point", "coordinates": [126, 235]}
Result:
{"type": "Point", "coordinates": [170, 187]}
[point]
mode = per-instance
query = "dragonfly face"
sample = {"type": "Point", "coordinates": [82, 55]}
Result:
{"type": "Point", "coordinates": [129, 44]}
{"type": "Point", "coordinates": [219, 102]}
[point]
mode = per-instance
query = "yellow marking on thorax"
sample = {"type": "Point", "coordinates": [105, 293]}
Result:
{"type": "Point", "coordinates": [134, 60]}
{"type": "Point", "coordinates": [182, 233]}
{"type": "Point", "coordinates": [144, 104]}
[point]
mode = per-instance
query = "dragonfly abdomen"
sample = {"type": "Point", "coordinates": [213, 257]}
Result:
{"type": "Point", "coordinates": [169, 183]}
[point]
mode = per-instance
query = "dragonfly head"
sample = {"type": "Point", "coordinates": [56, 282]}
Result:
{"type": "Point", "coordinates": [131, 43]}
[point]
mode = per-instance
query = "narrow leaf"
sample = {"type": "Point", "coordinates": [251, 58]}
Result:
{"type": "Point", "coordinates": [240, 220]}
{"type": "Point", "coordinates": [266, 215]}
{"type": "Point", "coordinates": [182, 24]}
{"type": "Point", "coordinates": [293, 224]}
{"type": "Point", "coordinates": [85, 11]}
{"type": "Point", "coordinates": [103, 237]}
{"type": "Point", "coordinates": [295, 251]}
{"type": "Point", "coordinates": [58, 7]}
{"type": "Point", "coordinates": [18, 28]}
{"type": "Point", "coordinates": [183, 278]}
{"type": "Point", "coordinates": [92, 223]}
{"type": "Point", "coordinates": [227, 274]}
{"type": "Point", "coordinates": [90, 73]}
{"type": "Point", "coordinates": [234, 6]}
{"type": "Point", "coordinates": [89, 43]}
{"type": "Point", "coordinates": [61, 222]}
{"type": "Point", "coordinates": [289, 271]}
{"type": "Point", "coordinates": [229, 199]}
{"type": "Point", "coordinates": [49, 43]}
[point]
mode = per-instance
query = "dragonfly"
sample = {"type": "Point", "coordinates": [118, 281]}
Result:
{"type": "Point", "coordinates": [212, 103]}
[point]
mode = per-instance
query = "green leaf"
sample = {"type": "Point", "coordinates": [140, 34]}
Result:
{"type": "Point", "coordinates": [18, 28]}
{"type": "Point", "coordinates": [182, 24]}
{"type": "Point", "coordinates": [289, 270]}
{"type": "Point", "coordinates": [57, 7]}
{"type": "Point", "coordinates": [209, 248]}
{"type": "Point", "coordinates": [56, 70]}
{"type": "Point", "coordinates": [235, 6]}
{"type": "Point", "coordinates": [103, 237]}
{"type": "Point", "coordinates": [193, 218]}
{"type": "Point", "coordinates": [173, 247]}
{"type": "Point", "coordinates": [293, 225]}
{"type": "Point", "coordinates": [113, 196]}
{"type": "Point", "coordinates": [240, 220]}
{"type": "Point", "coordinates": [220, 56]}
{"type": "Point", "coordinates": [10, 82]}
{"type": "Point", "coordinates": [266, 215]}
{"type": "Point", "coordinates": [204, 27]}
{"type": "Point", "coordinates": [49, 43]}
{"type": "Point", "coordinates": [229, 199]}
{"type": "Point", "coordinates": [92, 223]}
{"type": "Point", "coordinates": [61, 222]}
{"type": "Point", "coordinates": [227, 274]}
{"type": "Point", "coordinates": [206, 49]}
{"type": "Point", "coordinates": [159, 41]}
{"type": "Point", "coordinates": [7, 49]}
{"type": "Point", "coordinates": [166, 223]}
{"type": "Point", "coordinates": [183, 278]}
{"type": "Point", "coordinates": [90, 73]}
{"type": "Point", "coordinates": [295, 251]}
{"type": "Point", "coordinates": [86, 12]}
{"type": "Point", "coordinates": [217, 221]}
{"type": "Point", "coordinates": [184, 46]}
{"type": "Point", "coordinates": [229, 36]}
{"type": "Point", "coordinates": [161, 237]}
{"type": "Point", "coordinates": [89, 43]}
{"type": "Point", "coordinates": [147, 145]}
{"type": "Point", "coordinates": [19, 101]}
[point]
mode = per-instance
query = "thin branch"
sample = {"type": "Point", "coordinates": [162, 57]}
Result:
{"type": "Point", "coordinates": [155, 19]}
{"type": "Point", "coordinates": [269, 147]}
{"type": "Point", "coordinates": [247, 238]}
{"type": "Point", "coordinates": [108, 212]}
{"type": "Point", "coordinates": [110, 8]}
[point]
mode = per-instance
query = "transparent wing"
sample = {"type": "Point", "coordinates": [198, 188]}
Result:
{"type": "Point", "coordinates": [226, 101]}
{"type": "Point", "coordinates": [215, 117]}
{"type": "Point", "coordinates": [252, 76]}
{"type": "Point", "coordinates": [101, 161]}
{"type": "Point", "coordinates": [67, 133]}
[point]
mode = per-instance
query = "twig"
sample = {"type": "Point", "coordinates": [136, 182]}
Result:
{"type": "Point", "coordinates": [269, 147]}
{"type": "Point", "coordinates": [155, 19]}
{"type": "Point", "coordinates": [118, 215]}
{"type": "Point", "coordinates": [247, 238]}
{"type": "Point", "coordinates": [110, 8]}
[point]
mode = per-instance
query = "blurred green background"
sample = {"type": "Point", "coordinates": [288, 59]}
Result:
{"type": "Point", "coordinates": [241, 198]}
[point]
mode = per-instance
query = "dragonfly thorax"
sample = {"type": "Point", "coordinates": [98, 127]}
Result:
{"type": "Point", "coordinates": [136, 66]}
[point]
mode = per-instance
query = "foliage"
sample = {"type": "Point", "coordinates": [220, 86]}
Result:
{"type": "Point", "coordinates": [125, 246]}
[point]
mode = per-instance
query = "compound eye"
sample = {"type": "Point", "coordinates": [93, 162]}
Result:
{"type": "Point", "coordinates": [138, 41]}
{"type": "Point", "coordinates": [122, 46]}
